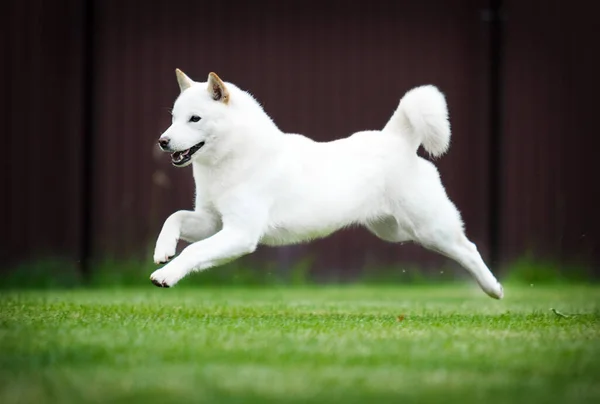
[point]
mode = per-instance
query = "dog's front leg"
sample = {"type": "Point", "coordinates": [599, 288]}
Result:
{"type": "Point", "coordinates": [184, 225]}
{"type": "Point", "coordinates": [227, 245]}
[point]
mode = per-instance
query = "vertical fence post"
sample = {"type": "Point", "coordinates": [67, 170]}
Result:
{"type": "Point", "coordinates": [496, 42]}
{"type": "Point", "coordinates": [88, 138]}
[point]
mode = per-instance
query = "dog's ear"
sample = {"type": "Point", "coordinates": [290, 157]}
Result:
{"type": "Point", "coordinates": [184, 81]}
{"type": "Point", "coordinates": [217, 88]}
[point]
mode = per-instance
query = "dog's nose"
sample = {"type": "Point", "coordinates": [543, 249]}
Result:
{"type": "Point", "coordinates": [163, 142]}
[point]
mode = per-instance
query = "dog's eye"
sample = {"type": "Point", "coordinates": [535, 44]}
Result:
{"type": "Point", "coordinates": [194, 118]}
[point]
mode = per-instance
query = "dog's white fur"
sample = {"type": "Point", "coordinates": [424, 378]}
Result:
{"type": "Point", "coordinates": [257, 185]}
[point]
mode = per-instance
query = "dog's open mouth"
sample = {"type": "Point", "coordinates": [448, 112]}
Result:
{"type": "Point", "coordinates": [179, 158]}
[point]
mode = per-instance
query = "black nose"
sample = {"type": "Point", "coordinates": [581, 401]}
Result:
{"type": "Point", "coordinates": [163, 142]}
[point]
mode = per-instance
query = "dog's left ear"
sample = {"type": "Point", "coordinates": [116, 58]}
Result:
{"type": "Point", "coordinates": [217, 88]}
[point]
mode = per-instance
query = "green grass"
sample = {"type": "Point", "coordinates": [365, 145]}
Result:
{"type": "Point", "coordinates": [310, 344]}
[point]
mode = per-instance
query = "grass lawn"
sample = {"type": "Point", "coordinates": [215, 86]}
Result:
{"type": "Point", "coordinates": [313, 344]}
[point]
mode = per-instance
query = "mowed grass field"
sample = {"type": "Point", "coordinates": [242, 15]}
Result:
{"type": "Point", "coordinates": [353, 344]}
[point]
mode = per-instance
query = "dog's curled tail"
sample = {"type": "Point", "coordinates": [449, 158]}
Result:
{"type": "Point", "coordinates": [422, 116]}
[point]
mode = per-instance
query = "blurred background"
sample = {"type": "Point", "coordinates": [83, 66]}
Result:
{"type": "Point", "coordinates": [87, 86]}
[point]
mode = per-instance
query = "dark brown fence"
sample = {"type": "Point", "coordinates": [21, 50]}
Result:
{"type": "Point", "coordinates": [549, 183]}
{"type": "Point", "coordinates": [87, 88]}
{"type": "Point", "coordinates": [42, 120]}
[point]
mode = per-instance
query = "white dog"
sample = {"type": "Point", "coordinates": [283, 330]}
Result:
{"type": "Point", "coordinates": [257, 185]}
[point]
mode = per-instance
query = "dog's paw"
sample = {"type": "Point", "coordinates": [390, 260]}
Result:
{"type": "Point", "coordinates": [160, 284]}
{"type": "Point", "coordinates": [164, 253]}
{"type": "Point", "coordinates": [164, 278]}
{"type": "Point", "coordinates": [162, 259]}
{"type": "Point", "coordinates": [496, 291]}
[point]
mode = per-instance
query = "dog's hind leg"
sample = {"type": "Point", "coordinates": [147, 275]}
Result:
{"type": "Point", "coordinates": [190, 226]}
{"type": "Point", "coordinates": [447, 239]}
{"type": "Point", "coordinates": [453, 244]}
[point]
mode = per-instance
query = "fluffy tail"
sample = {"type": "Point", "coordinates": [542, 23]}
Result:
{"type": "Point", "coordinates": [422, 116]}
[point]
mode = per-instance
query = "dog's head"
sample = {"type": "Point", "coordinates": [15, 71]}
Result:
{"type": "Point", "coordinates": [197, 112]}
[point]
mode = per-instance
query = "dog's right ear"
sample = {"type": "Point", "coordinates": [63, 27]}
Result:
{"type": "Point", "coordinates": [184, 81]}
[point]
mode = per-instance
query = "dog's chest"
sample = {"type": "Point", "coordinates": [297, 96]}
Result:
{"type": "Point", "coordinates": [208, 185]}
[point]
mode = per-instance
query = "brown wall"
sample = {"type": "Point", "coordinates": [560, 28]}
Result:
{"type": "Point", "coordinates": [550, 180]}
{"type": "Point", "coordinates": [41, 125]}
{"type": "Point", "coordinates": [324, 69]}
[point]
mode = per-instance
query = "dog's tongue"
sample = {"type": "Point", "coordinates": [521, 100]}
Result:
{"type": "Point", "coordinates": [185, 152]}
